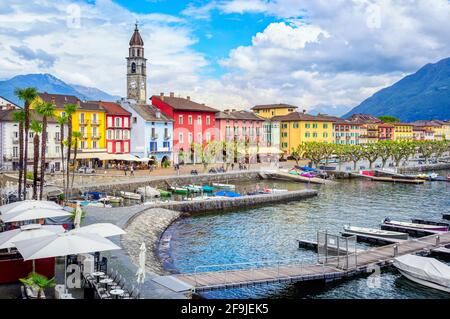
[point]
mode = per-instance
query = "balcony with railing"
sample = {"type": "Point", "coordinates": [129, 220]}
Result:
{"type": "Point", "coordinates": [154, 136]}
{"type": "Point", "coordinates": [95, 123]}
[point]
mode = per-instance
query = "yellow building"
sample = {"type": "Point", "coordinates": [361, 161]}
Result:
{"type": "Point", "coordinates": [403, 132]}
{"type": "Point", "coordinates": [440, 129]}
{"type": "Point", "coordinates": [89, 120]}
{"type": "Point", "coordinates": [297, 128]}
{"type": "Point", "coordinates": [272, 110]}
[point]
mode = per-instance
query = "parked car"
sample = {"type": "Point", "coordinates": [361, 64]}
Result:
{"type": "Point", "coordinates": [85, 170]}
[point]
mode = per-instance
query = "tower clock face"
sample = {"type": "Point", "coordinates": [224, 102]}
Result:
{"type": "Point", "coordinates": [133, 84]}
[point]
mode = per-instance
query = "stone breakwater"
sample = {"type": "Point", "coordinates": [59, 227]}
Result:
{"type": "Point", "coordinates": [148, 227]}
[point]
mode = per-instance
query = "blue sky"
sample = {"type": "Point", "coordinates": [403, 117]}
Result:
{"type": "Point", "coordinates": [321, 55]}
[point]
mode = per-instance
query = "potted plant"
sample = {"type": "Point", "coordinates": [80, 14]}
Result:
{"type": "Point", "coordinates": [38, 282]}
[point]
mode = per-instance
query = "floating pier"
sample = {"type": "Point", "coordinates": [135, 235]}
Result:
{"type": "Point", "coordinates": [375, 240]}
{"type": "Point", "coordinates": [298, 178]}
{"type": "Point", "coordinates": [394, 180]}
{"type": "Point", "coordinates": [334, 269]}
{"type": "Point", "coordinates": [429, 222]}
{"type": "Point", "coordinates": [312, 245]}
{"type": "Point", "coordinates": [411, 231]}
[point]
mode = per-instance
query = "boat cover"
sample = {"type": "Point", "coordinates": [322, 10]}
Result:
{"type": "Point", "coordinates": [425, 268]}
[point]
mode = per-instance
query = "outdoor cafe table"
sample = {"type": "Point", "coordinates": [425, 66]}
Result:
{"type": "Point", "coordinates": [117, 292]}
{"type": "Point", "coordinates": [106, 281]}
{"type": "Point", "coordinates": [98, 274]}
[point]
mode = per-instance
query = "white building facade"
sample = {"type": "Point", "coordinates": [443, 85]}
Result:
{"type": "Point", "coordinates": [10, 147]}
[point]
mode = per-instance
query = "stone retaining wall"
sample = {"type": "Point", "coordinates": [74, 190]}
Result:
{"type": "Point", "coordinates": [165, 181]}
{"type": "Point", "coordinates": [424, 168]}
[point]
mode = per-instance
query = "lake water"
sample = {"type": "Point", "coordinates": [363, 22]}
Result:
{"type": "Point", "coordinates": [270, 233]}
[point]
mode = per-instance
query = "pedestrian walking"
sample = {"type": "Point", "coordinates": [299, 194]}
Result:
{"type": "Point", "coordinates": [131, 171]}
{"type": "Point", "coordinates": [125, 170]}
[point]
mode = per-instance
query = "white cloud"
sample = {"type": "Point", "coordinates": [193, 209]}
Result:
{"type": "Point", "coordinates": [94, 54]}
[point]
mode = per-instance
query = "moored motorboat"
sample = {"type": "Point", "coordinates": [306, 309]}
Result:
{"type": "Point", "coordinates": [130, 195]}
{"type": "Point", "coordinates": [179, 190]}
{"type": "Point", "coordinates": [227, 194]}
{"type": "Point", "coordinates": [375, 232]}
{"type": "Point", "coordinates": [437, 228]}
{"type": "Point", "coordinates": [208, 189]}
{"type": "Point", "coordinates": [224, 186]}
{"type": "Point", "coordinates": [426, 271]}
{"type": "Point", "coordinates": [164, 193]}
{"type": "Point", "coordinates": [148, 191]}
{"type": "Point", "coordinates": [111, 199]}
{"type": "Point", "coordinates": [194, 188]}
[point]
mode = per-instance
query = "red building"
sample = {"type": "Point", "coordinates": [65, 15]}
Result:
{"type": "Point", "coordinates": [118, 135]}
{"type": "Point", "coordinates": [193, 122]}
{"type": "Point", "coordinates": [385, 132]}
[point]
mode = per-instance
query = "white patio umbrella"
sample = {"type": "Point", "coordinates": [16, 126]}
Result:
{"type": "Point", "coordinates": [78, 214]}
{"type": "Point", "coordinates": [33, 213]}
{"type": "Point", "coordinates": [63, 245]}
{"type": "Point", "coordinates": [27, 204]}
{"type": "Point", "coordinates": [33, 231]}
{"type": "Point", "coordinates": [141, 270]}
{"type": "Point", "coordinates": [102, 229]}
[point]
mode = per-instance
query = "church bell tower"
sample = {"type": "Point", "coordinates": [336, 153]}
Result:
{"type": "Point", "coordinates": [137, 69]}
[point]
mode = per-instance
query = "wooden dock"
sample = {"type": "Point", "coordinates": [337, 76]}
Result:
{"type": "Point", "coordinates": [333, 269]}
{"type": "Point", "coordinates": [297, 178]}
{"type": "Point", "coordinates": [394, 180]}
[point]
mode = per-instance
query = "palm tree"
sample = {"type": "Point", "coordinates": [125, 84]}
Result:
{"type": "Point", "coordinates": [62, 121]}
{"type": "Point", "coordinates": [76, 137]}
{"type": "Point", "coordinates": [28, 95]}
{"type": "Point", "coordinates": [36, 128]}
{"type": "Point", "coordinates": [19, 117]}
{"type": "Point", "coordinates": [69, 110]}
{"type": "Point", "coordinates": [46, 110]}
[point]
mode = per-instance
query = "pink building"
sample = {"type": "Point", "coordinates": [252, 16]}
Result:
{"type": "Point", "coordinates": [243, 127]}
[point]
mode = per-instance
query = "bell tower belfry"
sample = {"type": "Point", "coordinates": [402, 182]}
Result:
{"type": "Point", "coordinates": [137, 69]}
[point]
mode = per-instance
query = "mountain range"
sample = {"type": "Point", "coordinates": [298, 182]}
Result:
{"type": "Point", "coordinates": [424, 95]}
{"type": "Point", "coordinates": [51, 84]}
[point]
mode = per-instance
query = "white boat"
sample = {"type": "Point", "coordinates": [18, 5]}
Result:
{"type": "Point", "coordinates": [111, 199]}
{"type": "Point", "coordinates": [148, 191]}
{"type": "Point", "coordinates": [130, 195]}
{"type": "Point", "coordinates": [275, 190]}
{"type": "Point", "coordinates": [438, 228]}
{"type": "Point", "coordinates": [375, 232]}
{"type": "Point", "coordinates": [426, 271]}
{"type": "Point", "coordinates": [224, 186]}
{"type": "Point", "coordinates": [98, 204]}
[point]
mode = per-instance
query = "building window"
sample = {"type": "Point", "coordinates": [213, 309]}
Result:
{"type": "Point", "coordinates": [199, 137]}
{"type": "Point", "coordinates": [110, 147]}
{"type": "Point", "coordinates": [314, 125]}
{"type": "Point", "coordinates": [307, 125]}
{"type": "Point", "coordinates": [295, 125]}
{"type": "Point", "coordinates": [57, 136]}
{"type": "Point", "coordinates": [180, 138]}
{"type": "Point", "coordinates": [118, 148]}
{"type": "Point", "coordinates": [94, 144]}
{"type": "Point", "coordinates": [134, 120]}
{"type": "Point", "coordinates": [94, 132]}
{"type": "Point", "coordinates": [325, 126]}
{"type": "Point", "coordinates": [190, 138]}
{"type": "Point", "coordinates": [109, 134]}
{"type": "Point", "coordinates": [307, 134]}
{"type": "Point", "coordinates": [199, 120]}
{"type": "Point", "coordinates": [125, 122]}
{"type": "Point", "coordinates": [126, 147]}
{"type": "Point", "coordinates": [118, 135]}
{"type": "Point", "coordinates": [94, 118]}
{"type": "Point", "coordinates": [166, 145]}
{"type": "Point", "coordinates": [153, 146]}
{"type": "Point", "coordinates": [180, 119]}
{"type": "Point", "coordinates": [190, 119]}
{"type": "Point", "coordinates": [208, 136]}
{"type": "Point", "coordinates": [15, 151]}
{"type": "Point", "coordinates": [208, 120]}
{"type": "Point", "coordinates": [118, 122]}
{"type": "Point", "coordinates": [82, 118]}
{"type": "Point", "coordinates": [126, 135]}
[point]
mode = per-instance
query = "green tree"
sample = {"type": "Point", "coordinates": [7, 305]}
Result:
{"type": "Point", "coordinates": [371, 152]}
{"type": "Point", "coordinates": [62, 121]}
{"type": "Point", "coordinates": [385, 148]}
{"type": "Point", "coordinates": [389, 119]}
{"type": "Point", "coordinates": [28, 96]}
{"type": "Point", "coordinates": [47, 111]}
{"type": "Point", "coordinates": [76, 137]}
{"type": "Point", "coordinates": [298, 152]}
{"type": "Point", "coordinates": [356, 153]}
{"type": "Point", "coordinates": [19, 117]}
{"type": "Point", "coordinates": [36, 128]}
{"type": "Point", "coordinates": [69, 110]}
